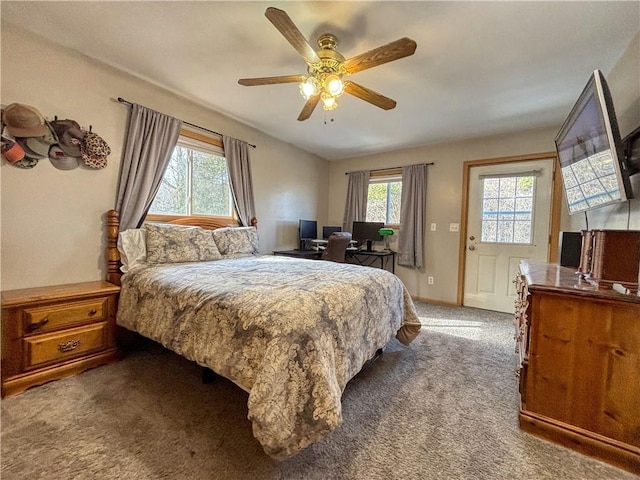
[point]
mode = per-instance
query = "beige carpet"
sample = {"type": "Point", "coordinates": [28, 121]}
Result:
{"type": "Point", "coordinates": [443, 408]}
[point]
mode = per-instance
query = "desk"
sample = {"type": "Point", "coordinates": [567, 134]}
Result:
{"type": "Point", "coordinates": [356, 257]}
{"type": "Point", "coordinates": [369, 259]}
{"type": "Point", "coordinates": [310, 254]}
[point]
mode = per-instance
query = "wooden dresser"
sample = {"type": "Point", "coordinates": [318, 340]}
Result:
{"type": "Point", "coordinates": [579, 363]}
{"type": "Point", "coordinates": [54, 332]}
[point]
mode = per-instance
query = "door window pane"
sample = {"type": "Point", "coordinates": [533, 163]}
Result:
{"type": "Point", "coordinates": [507, 209]}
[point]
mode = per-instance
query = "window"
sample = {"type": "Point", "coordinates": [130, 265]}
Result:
{"type": "Point", "coordinates": [507, 209]}
{"type": "Point", "coordinates": [196, 181]}
{"type": "Point", "coordinates": [383, 198]}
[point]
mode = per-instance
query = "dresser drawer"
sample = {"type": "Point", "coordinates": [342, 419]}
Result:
{"type": "Point", "coordinates": [62, 315]}
{"type": "Point", "coordinates": [55, 347]}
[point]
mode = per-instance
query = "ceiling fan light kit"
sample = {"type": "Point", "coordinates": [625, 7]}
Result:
{"type": "Point", "coordinates": [327, 67]}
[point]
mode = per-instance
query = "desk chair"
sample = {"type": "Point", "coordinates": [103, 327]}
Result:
{"type": "Point", "coordinates": [337, 244]}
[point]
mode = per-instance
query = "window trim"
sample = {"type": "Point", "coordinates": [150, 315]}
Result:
{"type": "Point", "coordinates": [153, 217]}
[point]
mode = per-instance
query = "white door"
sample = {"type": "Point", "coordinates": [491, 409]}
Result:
{"type": "Point", "coordinates": [508, 220]}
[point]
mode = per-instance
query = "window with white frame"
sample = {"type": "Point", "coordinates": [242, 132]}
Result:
{"type": "Point", "coordinates": [196, 181]}
{"type": "Point", "coordinates": [383, 198]}
{"type": "Point", "coordinates": [508, 208]}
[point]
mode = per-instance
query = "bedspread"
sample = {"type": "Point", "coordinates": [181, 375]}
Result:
{"type": "Point", "coordinates": [290, 332]}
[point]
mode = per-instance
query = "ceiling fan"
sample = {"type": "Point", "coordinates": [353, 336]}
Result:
{"type": "Point", "coordinates": [327, 67]}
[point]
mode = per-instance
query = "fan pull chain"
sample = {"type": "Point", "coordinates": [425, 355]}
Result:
{"type": "Point", "coordinates": [325, 118]}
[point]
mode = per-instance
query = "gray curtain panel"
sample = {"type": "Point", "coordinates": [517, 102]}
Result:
{"type": "Point", "coordinates": [151, 138]}
{"type": "Point", "coordinates": [412, 216]}
{"type": "Point", "coordinates": [237, 155]}
{"type": "Point", "coordinates": [355, 209]}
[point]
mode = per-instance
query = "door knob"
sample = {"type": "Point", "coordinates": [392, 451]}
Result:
{"type": "Point", "coordinates": [472, 238]}
{"type": "Point", "coordinates": [472, 248]}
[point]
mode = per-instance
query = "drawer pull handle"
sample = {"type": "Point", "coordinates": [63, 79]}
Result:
{"type": "Point", "coordinates": [69, 345]}
{"type": "Point", "coordinates": [34, 326]}
{"type": "Point", "coordinates": [93, 311]}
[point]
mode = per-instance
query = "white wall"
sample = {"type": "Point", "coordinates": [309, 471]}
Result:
{"type": "Point", "coordinates": [52, 229]}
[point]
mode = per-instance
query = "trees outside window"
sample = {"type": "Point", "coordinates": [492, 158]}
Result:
{"type": "Point", "coordinates": [196, 182]}
{"type": "Point", "coordinates": [383, 201]}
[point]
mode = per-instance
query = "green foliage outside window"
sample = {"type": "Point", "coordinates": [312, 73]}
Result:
{"type": "Point", "coordinates": [194, 183]}
{"type": "Point", "coordinates": [383, 202]}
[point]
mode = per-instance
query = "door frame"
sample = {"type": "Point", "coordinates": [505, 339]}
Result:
{"type": "Point", "coordinates": [554, 220]}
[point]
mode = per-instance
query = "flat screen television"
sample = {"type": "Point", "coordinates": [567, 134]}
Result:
{"type": "Point", "coordinates": [589, 151]}
{"type": "Point", "coordinates": [307, 230]}
{"type": "Point", "coordinates": [367, 232]}
{"type": "Point", "coordinates": [328, 230]}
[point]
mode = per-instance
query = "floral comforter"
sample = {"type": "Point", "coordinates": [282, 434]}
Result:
{"type": "Point", "coordinates": [290, 332]}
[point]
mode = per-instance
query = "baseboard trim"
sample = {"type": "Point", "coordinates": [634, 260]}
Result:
{"type": "Point", "coordinates": [435, 302]}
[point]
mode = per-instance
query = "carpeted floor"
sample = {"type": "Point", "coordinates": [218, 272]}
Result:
{"type": "Point", "coordinates": [443, 408]}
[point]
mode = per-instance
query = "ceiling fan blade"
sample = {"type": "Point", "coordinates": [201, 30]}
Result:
{"type": "Point", "coordinates": [369, 95]}
{"type": "Point", "coordinates": [288, 29]}
{"type": "Point", "coordinates": [250, 82]}
{"type": "Point", "coordinates": [308, 108]}
{"type": "Point", "coordinates": [386, 53]}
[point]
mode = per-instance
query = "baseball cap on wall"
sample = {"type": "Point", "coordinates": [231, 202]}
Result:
{"type": "Point", "coordinates": [61, 160]}
{"type": "Point", "coordinates": [11, 151]}
{"type": "Point", "coordinates": [69, 135]}
{"type": "Point", "coordinates": [41, 145]}
{"type": "Point", "coordinates": [24, 121]}
{"type": "Point", "coordinates": [94, 150]}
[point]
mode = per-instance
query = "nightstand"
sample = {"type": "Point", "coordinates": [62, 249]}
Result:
{"type": "Point", "coordinates": [54, 332]}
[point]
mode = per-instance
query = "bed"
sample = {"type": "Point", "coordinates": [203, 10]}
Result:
{"type": "Point", "coordinates": [291, 332]}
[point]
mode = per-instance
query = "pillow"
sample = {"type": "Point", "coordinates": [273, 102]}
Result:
{"type": "Point", "coordinates": [177, 243]}
{"type": "Point", "coordinates": [132, 247]}
{"type": "Point", "coordinates": [237, 240]}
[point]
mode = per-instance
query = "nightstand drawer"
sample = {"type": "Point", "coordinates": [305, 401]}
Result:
{"type": "Point", "coordinates": [62, 315]}
{"type": "Point", "coordinates": [54, 347]}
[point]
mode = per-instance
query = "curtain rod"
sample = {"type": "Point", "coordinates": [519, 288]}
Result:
{"type": "Point", "coordinates": [122, 100]}
{"type": "Point", "coordinates": [390, 168]}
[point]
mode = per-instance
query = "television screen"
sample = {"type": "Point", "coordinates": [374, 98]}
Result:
{"type": "Point", "coordinates": [326, 231]}
{"type": "Point", "coordinates": [367, 232]}
{"type": "Point", "coordinates": [308, 230]}
{"type": "Point", "coordinates": [588, 151]}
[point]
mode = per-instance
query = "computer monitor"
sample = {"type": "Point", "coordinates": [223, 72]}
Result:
{"type": "Point", "coordinates": [327, 231]}
{"type": "Point", "coordinates": [307, 230]}
{"type": "Point", "coordinates": [367, 232]}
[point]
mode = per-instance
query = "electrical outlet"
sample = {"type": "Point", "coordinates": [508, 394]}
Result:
{"type": "Point", "coordinates": [433, 227]}
{"type": "Point", "coordinates": [430, 280]}
{"type": "Point", "coordinates": [454, 227]}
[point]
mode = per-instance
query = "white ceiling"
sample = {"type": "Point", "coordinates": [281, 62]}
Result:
{"type": "Point", "coordinates": [480, 68]}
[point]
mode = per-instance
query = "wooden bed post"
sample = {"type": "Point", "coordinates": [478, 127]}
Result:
{"type": "Point", "coordinates": [113, 255]}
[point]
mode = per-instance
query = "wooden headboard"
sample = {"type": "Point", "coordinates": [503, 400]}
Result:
{"type": "Point", "coordinates": [113, 229]}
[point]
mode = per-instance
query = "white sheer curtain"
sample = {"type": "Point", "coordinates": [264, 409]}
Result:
{"type": "Point", "coordinates": [412, 216]}
{"type": "Point", "coordinates": [151, 138]}
{"type": "Point", "coordinates": [237, 155]}
{"type": "Point", "coordinates": [355, 209]}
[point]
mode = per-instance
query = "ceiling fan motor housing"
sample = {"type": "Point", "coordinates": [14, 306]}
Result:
{"type": "Point", "coordinates": [331, 61]}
